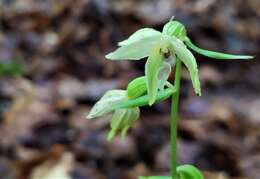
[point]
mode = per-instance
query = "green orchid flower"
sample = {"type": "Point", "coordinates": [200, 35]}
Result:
{"type": "Point", "coordinates": [122, 119]}
{"type": "Point", "coordinates": [125, 105]}
{"type": "Point", "coordinates": [162, 50]}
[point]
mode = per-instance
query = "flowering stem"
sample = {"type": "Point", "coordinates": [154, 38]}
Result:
{"type": "Point", "coordinates": [174, 115]}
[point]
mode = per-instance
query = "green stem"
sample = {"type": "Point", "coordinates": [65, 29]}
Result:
{"type": "Point", "coordinates": [174, 115]}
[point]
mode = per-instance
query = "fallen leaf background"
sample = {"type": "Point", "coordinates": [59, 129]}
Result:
{"type": "Point", "coordinates": [62, 44]}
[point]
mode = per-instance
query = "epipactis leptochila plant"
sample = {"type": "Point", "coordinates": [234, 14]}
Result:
{"type": "Point", "coordinates": [165, 50]}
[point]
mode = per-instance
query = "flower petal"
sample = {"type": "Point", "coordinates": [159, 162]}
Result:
{"type": "Point", "coordinates": [136, 50]}
{"type": "Point", "coordinates": [152, 68]}
{"type": "Point", "coordinates": [139, 35]}
{"type": "Point", "coordinates": [107, 103]}
{"type": "Point", "coordinates": [190, 62]}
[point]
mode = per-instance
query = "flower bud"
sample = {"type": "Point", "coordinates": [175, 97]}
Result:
{"type": "Point", "coordinates": [175, 28]}
{"type": "Point", "coordinates": [136, 87]}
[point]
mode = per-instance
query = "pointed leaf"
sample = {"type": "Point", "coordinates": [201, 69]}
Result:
{"type": "Point", "coordinates": [107, 103]}
{"type": "Point", "coordinates": [212, 54]}
{"type": "Point", "coordinates": [136, 50]}
{"type": "Point", "coordinates": [152, 68]}
{"type": "Point", "coordinates": [189, 172]}
{"type": "Point", "coordinates": [190, 62]}
{"type": "Point", "coordinates": [139, 35]}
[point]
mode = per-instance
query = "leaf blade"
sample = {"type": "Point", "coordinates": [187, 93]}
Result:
{"type": "Point", "coordinates": [189, 172]}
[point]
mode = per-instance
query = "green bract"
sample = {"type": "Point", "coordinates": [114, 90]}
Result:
{"type": "Point", "coordinates": [216, 55]}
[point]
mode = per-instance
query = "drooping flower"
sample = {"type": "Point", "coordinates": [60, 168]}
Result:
{"type": "Point", "coordinates": [159, 48]}
{"type": "Point", "coordinates": [122, 119]}
{"type": "Point", "coordinates": [122, 103]}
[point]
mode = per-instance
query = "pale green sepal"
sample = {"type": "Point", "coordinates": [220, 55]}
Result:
{"type": "Point", "coordinates": [189, 172]}
{"type": "Point", "coordinates": [111, 135]}
{"type": "Point", "coordinates": [136, 50]}
{"type": "Point", "coordinates": [122, 120]}
{"type": "Point", "coordinates": [190, 62]}
{"type": "Point", "coordinates": [107, 103]}
{"type": "Point", "coordinates": [117, 118]}
{"type": "Point", "coordinates": [152, 68]}
{"type": "Point", "coordinates": [139, 35]}
{"type": "Point", "coordinates": [216, 55]}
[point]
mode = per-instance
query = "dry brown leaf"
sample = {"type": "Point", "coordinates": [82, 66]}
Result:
{"type": "Point", "coordinates": [54, 169]}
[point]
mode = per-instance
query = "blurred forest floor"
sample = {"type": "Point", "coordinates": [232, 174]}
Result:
{"type": "Point", "coordinates": [43, 130]}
